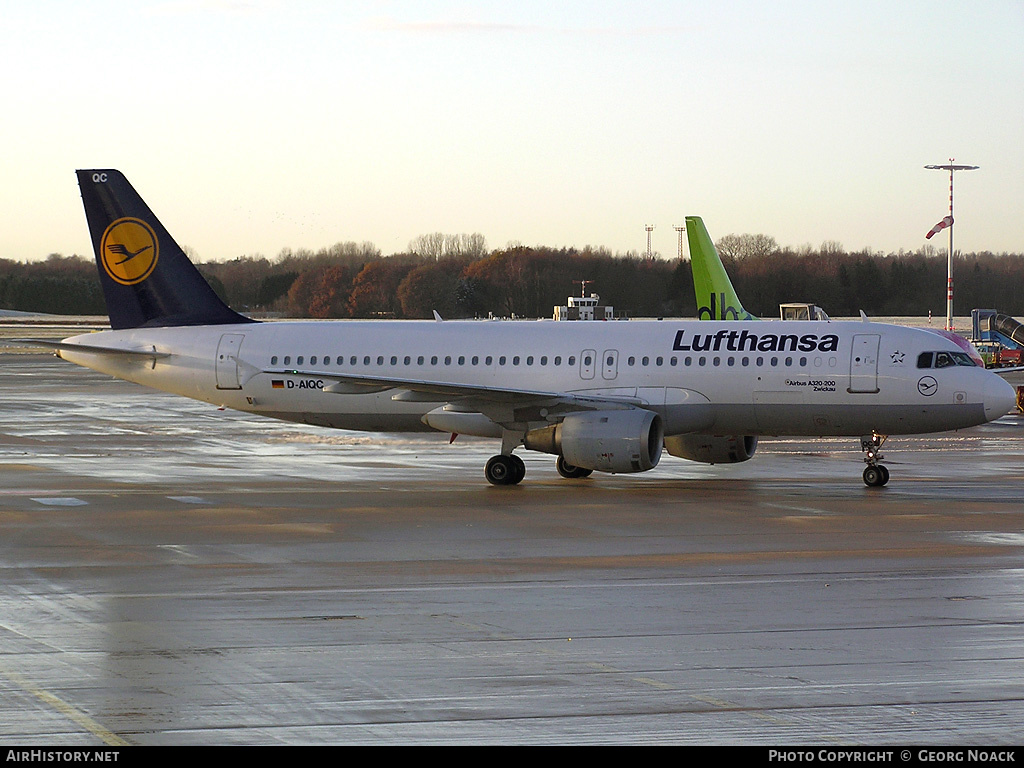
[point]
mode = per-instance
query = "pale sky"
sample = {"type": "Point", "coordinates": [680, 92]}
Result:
{"type": "Point", "coordinates": [254, 125]}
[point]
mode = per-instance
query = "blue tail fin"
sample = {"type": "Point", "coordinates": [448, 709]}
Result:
{"type": "Point", "coordinates": [148, 281]}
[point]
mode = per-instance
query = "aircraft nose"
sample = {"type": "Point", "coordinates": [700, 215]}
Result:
{"type": "Point", "coordinates": [1000, 397]}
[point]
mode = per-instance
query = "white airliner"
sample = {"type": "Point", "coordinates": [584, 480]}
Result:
{"type": "Point", "coordinates": [604, 396]}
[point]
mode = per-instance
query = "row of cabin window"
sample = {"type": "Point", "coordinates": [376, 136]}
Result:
{"type": "Point", "coordinates": [421, 360]}
{"type": "Point", "coordinates": [729, 361]}
{"type": "Point", "coordinates": [557, 360]}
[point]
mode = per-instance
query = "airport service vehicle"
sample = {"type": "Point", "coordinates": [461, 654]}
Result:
{"type": "Point", "coordinates": [607, 397]}
{"type": "Point", "coordinates": [997, 356]}
{"type": "Point", "coordinates": [1009, 356]}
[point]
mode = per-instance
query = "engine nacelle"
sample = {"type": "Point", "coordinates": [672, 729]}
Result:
{"type": "Point", "coordinates": [712, 449]}
{"type": "Point", "coordinates": [607, 441]}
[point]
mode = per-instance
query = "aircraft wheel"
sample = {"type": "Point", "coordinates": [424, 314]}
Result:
{"type": "Point", "coordinates": [504, 470]}
{"type": "Point", "coordinates": [519, 468]}
{"type": "Point", "coordinates": [569, 471]}
{"type": "Point", "coordinates": [876, 476]}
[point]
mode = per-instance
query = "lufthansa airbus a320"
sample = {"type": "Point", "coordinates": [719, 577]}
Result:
{"type": "Point", "coordinates": [600, 396]}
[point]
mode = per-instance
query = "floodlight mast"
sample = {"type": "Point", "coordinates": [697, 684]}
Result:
{"type": "Point", "coordinates": [951, 167]}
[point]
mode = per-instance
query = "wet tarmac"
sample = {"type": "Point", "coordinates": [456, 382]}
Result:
{"type": "Point", "coordinates": [175, 574]}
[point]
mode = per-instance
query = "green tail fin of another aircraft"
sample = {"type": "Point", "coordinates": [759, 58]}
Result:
{"type": "Point", "coordinates": [716, 298]}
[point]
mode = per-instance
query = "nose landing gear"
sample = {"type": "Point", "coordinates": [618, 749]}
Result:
{"type": "Point", "coordinates": [875, 475]}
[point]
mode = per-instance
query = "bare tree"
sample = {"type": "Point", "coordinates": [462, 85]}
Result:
{"type": "Point", "coordinates": [437, 246]}
{"type": "Point", "coordinates": [736, 247]}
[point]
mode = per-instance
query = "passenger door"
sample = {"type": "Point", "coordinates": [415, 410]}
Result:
{"type": "Point", "coordinates": [588, 360]}
{"type": "Point", "coordinates": [227, 361]}
{"type": "Point", "coordinates": [864, 363]}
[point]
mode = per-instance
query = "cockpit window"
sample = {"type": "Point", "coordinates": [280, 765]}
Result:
{"type": "Point", "coordinates": [944, 360]}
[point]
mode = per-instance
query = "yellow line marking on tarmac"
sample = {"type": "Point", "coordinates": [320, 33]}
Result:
{"type": "Point", "coordinates": [654, 683]}
{"type": "Point", "coordinates": [596, 665]}
{"type": "Point", "coordinates": [77, 716]}
{"type": "Point", "coordinates": [722, 704]}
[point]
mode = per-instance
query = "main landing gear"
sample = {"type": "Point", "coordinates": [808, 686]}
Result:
{"type": "Point", "coordinates": [509, 469]}
{"type": "Point", "coordinates": [571, 472]}
{"type": "Point", "coordinates": [875, 475]}
{"type": "Point", "coordinates": [505, 469]}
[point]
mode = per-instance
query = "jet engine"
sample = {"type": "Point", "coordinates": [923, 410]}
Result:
{"type": "Point", "coordinates": [712, 449]}
{"type": "Point", "coordinates": [629, 440]}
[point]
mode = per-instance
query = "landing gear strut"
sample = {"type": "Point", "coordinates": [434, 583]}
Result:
{"type": "Point", "coordinates": [875, 475]}
{"type": "Point", "coordinates": [505, 469]}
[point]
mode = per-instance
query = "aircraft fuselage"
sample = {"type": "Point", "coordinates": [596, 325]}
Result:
{"type": "Point", "coordinates": [792, 378]}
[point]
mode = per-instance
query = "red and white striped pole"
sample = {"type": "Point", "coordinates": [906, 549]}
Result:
{"type": "Point", "coordinates": [951, 167]}
{"type": "Point", "coordinates": [949, 260]}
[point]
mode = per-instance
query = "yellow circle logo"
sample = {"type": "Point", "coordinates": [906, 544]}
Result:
{"type": "Point", "coordinates": [129, 250]}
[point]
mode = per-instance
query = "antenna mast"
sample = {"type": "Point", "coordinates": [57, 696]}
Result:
{"type": "Point", "coordinates": [583, 287]}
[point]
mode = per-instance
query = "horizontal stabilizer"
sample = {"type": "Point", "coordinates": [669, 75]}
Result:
{"type": "Point", "coordinates": [58, 346]}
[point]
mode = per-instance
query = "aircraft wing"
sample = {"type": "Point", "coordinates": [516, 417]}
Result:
{"type": "Point", "coordinates": [500, 404]}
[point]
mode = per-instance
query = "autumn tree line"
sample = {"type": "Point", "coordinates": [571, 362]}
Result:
{"type": "Point", "coordinates": [458, 277]}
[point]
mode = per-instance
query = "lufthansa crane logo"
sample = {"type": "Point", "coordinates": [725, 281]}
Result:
{"type": "Point", "coordinates": [129, 250]}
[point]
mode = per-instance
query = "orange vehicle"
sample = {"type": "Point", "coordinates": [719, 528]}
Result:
{"type": "Point", "coordinates": [1008, 357]}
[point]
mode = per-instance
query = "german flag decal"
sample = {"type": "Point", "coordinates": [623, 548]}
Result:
{"type": "Point", "coordinates": [277, 383]}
